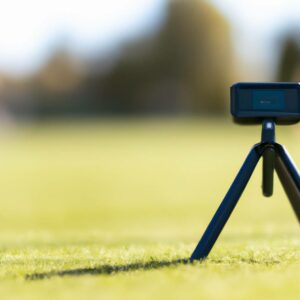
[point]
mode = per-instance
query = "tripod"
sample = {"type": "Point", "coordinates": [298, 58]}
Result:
{"type": "Point", "coordinates": [275, 156]}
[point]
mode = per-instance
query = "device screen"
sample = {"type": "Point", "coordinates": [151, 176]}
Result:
{"type": "Point", "coordinates": [267, 100]}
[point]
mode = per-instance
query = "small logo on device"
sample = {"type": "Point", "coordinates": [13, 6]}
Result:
{"type": "Point", "coordinates": [265, 101]}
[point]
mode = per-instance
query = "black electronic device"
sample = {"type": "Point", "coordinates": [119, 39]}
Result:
{"type": "Point", "coordinates": [252, 102]}
{"type": "Point", "coordinates": [265, 103]}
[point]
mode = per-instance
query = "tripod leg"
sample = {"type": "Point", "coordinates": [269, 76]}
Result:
{"type": "Point", "coordinates": [224, 211]}
{"type": "Point", "coordinates": [268, 171]}
{"type": "Point", "coordinates": [289, 177]}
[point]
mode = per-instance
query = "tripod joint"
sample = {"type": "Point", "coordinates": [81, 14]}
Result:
{"type": "Point", "coordinates": [268, 132]}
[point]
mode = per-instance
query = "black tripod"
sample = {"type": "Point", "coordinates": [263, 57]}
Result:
{"type": "Point", "coordinates": [275, 156]}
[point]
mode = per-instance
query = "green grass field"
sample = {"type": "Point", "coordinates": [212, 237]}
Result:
{"type": "Point", "coordinates": [111, 209]}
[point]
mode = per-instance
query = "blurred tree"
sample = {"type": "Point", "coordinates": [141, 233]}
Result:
{"type": "Point", "coordinates": [289, 61]}
{"type": "Point", "coordinates": [60, 73]}
{"type": "Point", "coordinates": [184, 67]}
{"type": "Point", "coordinates": [57, 87]}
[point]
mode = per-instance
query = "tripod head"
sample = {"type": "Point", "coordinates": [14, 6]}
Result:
{"type": "Point", "coordinates": [268, 131]}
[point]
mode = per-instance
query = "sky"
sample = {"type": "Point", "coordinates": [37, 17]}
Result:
{"type": "Point", "coordinates": [30, 29]}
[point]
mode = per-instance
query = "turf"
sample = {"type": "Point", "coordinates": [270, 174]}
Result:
{"type": "Point", "coordinates": [113, 209]}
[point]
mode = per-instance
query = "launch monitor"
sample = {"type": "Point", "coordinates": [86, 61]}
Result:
{"type": "Point", "coordinates": [253, 102]}
{"type": "Point", "coordinates": [267, 104]}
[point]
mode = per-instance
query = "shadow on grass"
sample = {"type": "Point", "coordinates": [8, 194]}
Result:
{"type": "Point", "coordinates": [108, 269]}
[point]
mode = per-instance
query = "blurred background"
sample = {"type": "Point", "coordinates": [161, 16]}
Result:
{"type": "Point", "coordinates": [113, 112]}
{"type": "Point", "coordinates": [140, 57]}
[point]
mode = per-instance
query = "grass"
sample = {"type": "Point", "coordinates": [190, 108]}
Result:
{"type": "Point", "coordinates": [113, 209]}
